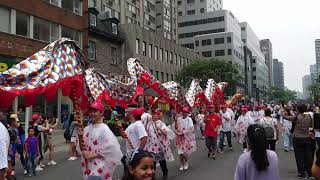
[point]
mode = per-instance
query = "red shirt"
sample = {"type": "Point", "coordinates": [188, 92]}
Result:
{"type": "Point", "coordinates": [212, 121]}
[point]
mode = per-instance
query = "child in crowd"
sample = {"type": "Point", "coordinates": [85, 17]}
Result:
{"type": "Point", "coordinates": [140, 167]}
{"type": "Point", "coordinates": [31, 148]}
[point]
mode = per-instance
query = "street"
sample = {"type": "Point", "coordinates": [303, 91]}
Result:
{"type": "Point", "coordinates": [200, 166]}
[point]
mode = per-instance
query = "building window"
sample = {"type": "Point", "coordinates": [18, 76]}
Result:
{"type": "Point", "coordinates": [218, 40]}
{"type": "Point", "coordinates": [229, 51]}
{"type": "Point", "coordinates": [151, 71]}
{"type": "Point", "coordinates": [201, 10]}
{"type": "Point", "coordinates": [92, 50]}
{"type": "Point", "coordinates": [5, 19]}
{"type": "Point", "coordinates": [156, 53]}
{"type": "Point", "coordinates": [72, 5]}
{"type": "Point", "coordinates": [190, 1]}
{"type": "Point", "coordinates": [54, 2]}
{"type": "Point", "coordinates": [171, 77]}
{"type": "Point", "coordinates": [197, 43]}
{"type": "Point", "coordinates": [170, 58]}
{"type": "Point", "coordinates": [167, 77]}
{"type": "Point", "coordinates": [179, 3]}
{"type": "Point", "coordinates": [94, 2]}
{"type": "Point", "coordinates": [206, 42]}
{"type": "Point", "coordinates": [180, 13]}
{"type": "Point", "coordinates": [228, 39]}
{"type": "Point", "coordinates": [22, 24]}
{"type": "Point", "coordinates": [157, 74]}
{"type": "Point", "coordinates": [150, 50]}
{"type": "Point", "coordinates": [137, 46]}
{"type": "Point", "coordinates": [176, 59]}
{"type": "Point", "coordinates": [207, 54]}
{"type": "Point", "coordinates": [41, 29]}
{"type": "Point", "coordinates": [144, 48]}
{"type": "Point", "coordinates": [71, 33]}
{"type": "Point", "coordinates": [219, 52]}
{"type": "Point", "coordinates": [114, 28]}
{"type": "Point", "coordinates": [114, 56]}
{"type": "Point", "coordinates": [166, 56]}
{"type": "Point", "coordinates": [162, 77]}
{"type": "Point", "coordinates": [161, 54]}
{"type": "Point", "coordinates": [180, 61]}
{"type": "Point", "coordinates": [93, 20]}
{"type": "Point", "coordinates": [191, 12]}
{"type": "Point", "coordinates": [243, 28]}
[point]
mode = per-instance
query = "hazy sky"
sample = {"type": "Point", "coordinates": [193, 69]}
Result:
{"type": "Point", "coordinates": [291, 25]}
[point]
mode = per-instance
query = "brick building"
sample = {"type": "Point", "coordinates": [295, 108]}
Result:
{"type": "Point", "coordinates": [29, 25]}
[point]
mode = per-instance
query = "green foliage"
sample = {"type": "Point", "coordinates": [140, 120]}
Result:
{"type": "Point", "coordinates": [315, 91]}
{"type": "Point", "coordinates": [282, 95]}
{"type": "Point", "coordinates": [205, 69]}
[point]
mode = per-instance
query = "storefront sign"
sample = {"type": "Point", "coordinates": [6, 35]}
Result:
{"type": "Point", "coordinates": [7, 63]}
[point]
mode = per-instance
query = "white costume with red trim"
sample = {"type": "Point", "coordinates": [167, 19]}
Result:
{"type": "Point", "coordinates": [99, 138]}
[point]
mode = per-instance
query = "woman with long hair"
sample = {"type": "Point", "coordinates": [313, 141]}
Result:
{"type": "Point", "coordinates": [258, 162]}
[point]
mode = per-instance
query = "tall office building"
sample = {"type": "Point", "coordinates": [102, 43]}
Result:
{"type": "Point", "coordinates": [313, 73]}
{"type": "Point", "coordinates": [153, 15]}
{"type": "Point", "coordinates": [191, 7]}
{"type": "Point", "coordinates": [306, 82]}
{"type": "Point", "coordinates": [278, 73]}
{"type": "Point", "coordinates": [257, 70]}
{"type": "Point", "coordinates": [214, 34]}
{"type": "Point", "coordinates": [266, 48]}
{"type": "Point", "coordinates": [317, 51]}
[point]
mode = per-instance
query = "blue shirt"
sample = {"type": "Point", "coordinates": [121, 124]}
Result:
{"type": "Point", "coordinates": [32, 146]}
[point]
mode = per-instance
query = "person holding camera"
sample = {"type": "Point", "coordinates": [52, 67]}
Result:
{"type": "Point", "coordinates": [302, 141]}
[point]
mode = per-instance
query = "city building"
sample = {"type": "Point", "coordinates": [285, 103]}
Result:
{"type": "Point", "coordinates": [215, 34]}
{"type": "Point", "coordinates": [313, 73]}
{"type": "Point", "coordinates": [191, 7]}
{"type": "Point", "coordinates": [157, 16]}
{"type": "Point", "coordinates": [317, 51]}
{"type": "Point", "coordinates": [256, 68]}
{"type": "Point", "coordinates": [306, 83]}
{"type": "Point", "coordinates": [278, 73]}
{"type": "Point", "coordinates": [106, 44]}
{"type": "Point", "coordinates": [266, 48]}
{"type": "Point", "coordinates": [27, 26]}
{"type": "Point", "coordinates": [163, 57]}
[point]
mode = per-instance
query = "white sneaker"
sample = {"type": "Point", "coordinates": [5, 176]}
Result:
{"type": "Point", "coordinates": [186, 166]}
{"type": "Point", "coordinates": [42, 165]}
{"type": "Point", "coordinates": [25, 172]}
{"type": "Point", "coordinates": [39, 168]}
{"type": "Point", "coordinates": [51, 163]}
{"type": "Point", "coordinates": [72, 158]}
{"type": "Point", "coordinates": [181, 167]}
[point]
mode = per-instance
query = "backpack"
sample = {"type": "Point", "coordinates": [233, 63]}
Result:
{"type": "Point", "coordinates": [13, 135]}
{"type": "Point", "coordinates": [270, 130]}
{"type": "Point", "coordinates": [67, 134]}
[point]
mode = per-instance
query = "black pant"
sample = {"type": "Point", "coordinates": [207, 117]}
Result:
{"type": "Point", "coordinates": [222, 135]}
{"type": "Point", "coordinates": [211, 143]}
{"type": "Point", "coordinates": [271, 144]}
{"type": "Point", "coordinates": [303, 154]}
{"type": "Point", "coordinates": [163, 165]}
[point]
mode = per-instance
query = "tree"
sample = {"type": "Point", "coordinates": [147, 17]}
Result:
{"type": "Point", "coordinates": [315, 91]}
{"type": "Point", "coordinates": [206, 69]}
{"type": "Point", "coordinates": [282, 95]}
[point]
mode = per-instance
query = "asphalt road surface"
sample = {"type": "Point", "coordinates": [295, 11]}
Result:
{"type": "Point", "coordinates": [200, 166]}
